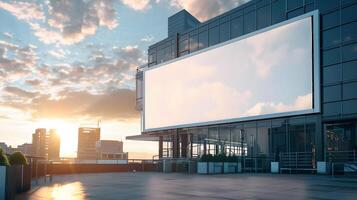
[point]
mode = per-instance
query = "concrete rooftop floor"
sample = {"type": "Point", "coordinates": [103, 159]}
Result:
{"type": "Point", "coordinates": [191, 186]}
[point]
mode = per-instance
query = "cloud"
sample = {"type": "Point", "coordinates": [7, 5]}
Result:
{"type": "Point", "coordinates": [117, 104]}
{"type": "Point", "coordinates": [204, 10]}
{"type": "Point", "coordinates": [8, 35]}
{"type": "Point", "coordinates": [300, 103]}
{"type": "Point", "coordinates": [19, 92]}
{"type": "Point", "coordinates": [148, 38]}
{"type": "Point", "coordinates": [24, 10]}
{"type": "Point", "coordinates": [58, 54]}
{"type": "Point", "coordinates": [66, 21]}
{"type": "Point", "coordinates": [33, 82]}
{"type": "Point", "coordinates": [131, 54]}
{"type": "Point", "coordinates": [79, 19]}
{"type": "Point", "coordinates": [21, 62]}
{"type": "Point", "coordinates": [137, 4]}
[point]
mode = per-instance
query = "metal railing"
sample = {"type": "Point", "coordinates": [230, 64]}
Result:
{"type": "Point", "coordinates": [341, 156]}
{"type": "Point", "coordinates": [298, 161]}
{"type": "Point", "coordinates": [256, 164]}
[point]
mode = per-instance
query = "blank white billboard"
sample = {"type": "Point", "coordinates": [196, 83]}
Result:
{"type": "Point", "coordinates": [265, 74]}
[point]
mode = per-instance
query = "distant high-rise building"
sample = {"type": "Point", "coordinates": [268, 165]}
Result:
{"type": "Point", "coordinates": [110, 150]}
{"type": "Point", "coordinates": [25, 149]}
{"type": "Point", "coordinates": [40, 143]}
{"type": "Point", "coordinates": [87, 138]}
{"type": "Point", "coordinates": [46, 144]}
{"type": "Point", "coordinates": [54, 144]}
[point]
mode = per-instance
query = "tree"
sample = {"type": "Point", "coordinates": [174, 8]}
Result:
{"type": "Point", "coordinates": [3, 159]}
{"type": "Point", "coordinates": [18, 158]}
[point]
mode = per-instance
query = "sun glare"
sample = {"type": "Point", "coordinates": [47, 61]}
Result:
{"type": "Point", "coordinates": [67, 132]}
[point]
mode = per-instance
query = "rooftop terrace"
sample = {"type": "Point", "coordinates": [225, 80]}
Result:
{"type": "Point", "coordinates": [187, 186]}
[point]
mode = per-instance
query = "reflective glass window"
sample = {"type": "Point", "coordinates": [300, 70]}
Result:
{"type": "Point", "coordinates": [203, 40]}
{"type": "Point", "coordinates": [310, 137]}
{"type": "Point", "coordinates": [350, 91]}
{"type": "Point", "coordinates": [332, 74]}
{"type": "Point", "coordinates": [237, 27]}
{"type": "Point", "coordinates": [332, 93]}
{"type": "Point", "coordinates": [349, 32]}
{"type": "Point", "coordinates": [349, 14]}
{"type": "Point", "coordinates": [214, 36]}
{"type": "Point", "coordinates": [225, 140]}
{"type": "Point", "coordinates": [331, 56]}
{"type": "Point", "coordinates": [297, 137]}
{"type": "Point", "coordinates": [331, 37]}
{"type": "Point", "coordinates": [331, 19]}
{"type": "Point", "coordinates": [332, 109]}
{"type": "Point", "coordinates": [278, 11]}
{"type": "Point", "coordinates": [183, 45]}
{"type": "Point", "coordinates": [263, 140]}
{"type": "Point", "coordinates": [349, 52]}
{"type": "Point", "coordinates": [263, 17]}
{"type": "Point", "coordinates": [193, 43]}
{"type": "Point", "coordinates": [350, 70]}
{"type": "Point", "coordinates": [224, 32]}
{"type": "Point", "coordinates": [349, 107]}
{"type": "Point", "coordinates": [295, 13]}
{"type": "Point", "coordinates": [292, 4]}
{"type": "Point", "coordinates": [213, 141]}
{"type": "Point", "coordinates": [250, 139]}
{"type": "Point", "coordinates": [249, 22]}
{"type": "Point", "coordinates": [279, 138]}
{"type": "Point", "coordinates": [324, 5]}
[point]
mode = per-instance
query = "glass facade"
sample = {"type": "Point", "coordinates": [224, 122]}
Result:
{"type": "Point", "coordinates": [338, 55]}
{"type": "Point", "coordinates": [253, 139]}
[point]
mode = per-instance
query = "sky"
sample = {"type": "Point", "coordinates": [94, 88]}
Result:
{"type": "Point", "coordinates": [70, 63]}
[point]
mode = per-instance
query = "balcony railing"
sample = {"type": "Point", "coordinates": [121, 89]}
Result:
{"type": "Point", "coordinates": [341, 156]}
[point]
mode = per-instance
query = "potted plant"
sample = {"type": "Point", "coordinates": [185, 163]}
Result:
{"type": "Point", "coordinates": [19, 162]}
{"type": "Point", "coordinates": [4, 162]}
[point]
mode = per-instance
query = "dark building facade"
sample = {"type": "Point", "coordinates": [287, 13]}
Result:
{"type": "Point", "coordinates": [40, 143]}
{"type": "Point", "coordinates": [324, 136]}
{"type": "Point", "coordinates": [87, 139]}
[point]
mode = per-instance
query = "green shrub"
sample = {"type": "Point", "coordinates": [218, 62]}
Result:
{"type": "Point", "coordinates": [220, 158]}
{"type": "Point", "coordinates": [17, 158]}
{"type": "Point", "coordinates": [232, 158]}
{"type": "Point", "coordinates": [206, 158]}
{"type": "Point", "coordinates": [3, 159]}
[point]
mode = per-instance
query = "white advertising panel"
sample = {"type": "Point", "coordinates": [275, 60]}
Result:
{"type": "Point", "coordinates": [265, 74]}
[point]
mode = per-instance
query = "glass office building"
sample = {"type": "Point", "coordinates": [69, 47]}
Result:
{"type": "Point", "coordinates": [265, 78]}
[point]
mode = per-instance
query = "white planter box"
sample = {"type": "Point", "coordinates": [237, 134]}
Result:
{"type": "Point", "coordinates": [323, 167]}
{"type": "Point", "coordinates": [2, 181]}
{"type": "Point", "coordinates": [202, 167]}
{"type": "Point", "coordinates": [209, 168]}
{"type": "Point", "coordinates": [274, 167]}
{"type": "Point", "coordinates": [215, 167]}
{"type": "Point", "coordinates": [230, 167]}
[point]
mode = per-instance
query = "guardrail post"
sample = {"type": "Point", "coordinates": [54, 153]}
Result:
{"type": "Point", "coordinates": [36, 168]}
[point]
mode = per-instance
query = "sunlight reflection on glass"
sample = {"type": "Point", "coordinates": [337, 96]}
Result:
{"type": "Point", "coordinates": [68, 191]}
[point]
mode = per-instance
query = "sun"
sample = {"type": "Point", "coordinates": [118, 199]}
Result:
{"type": "Point", "coordinates": [67, 132]}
